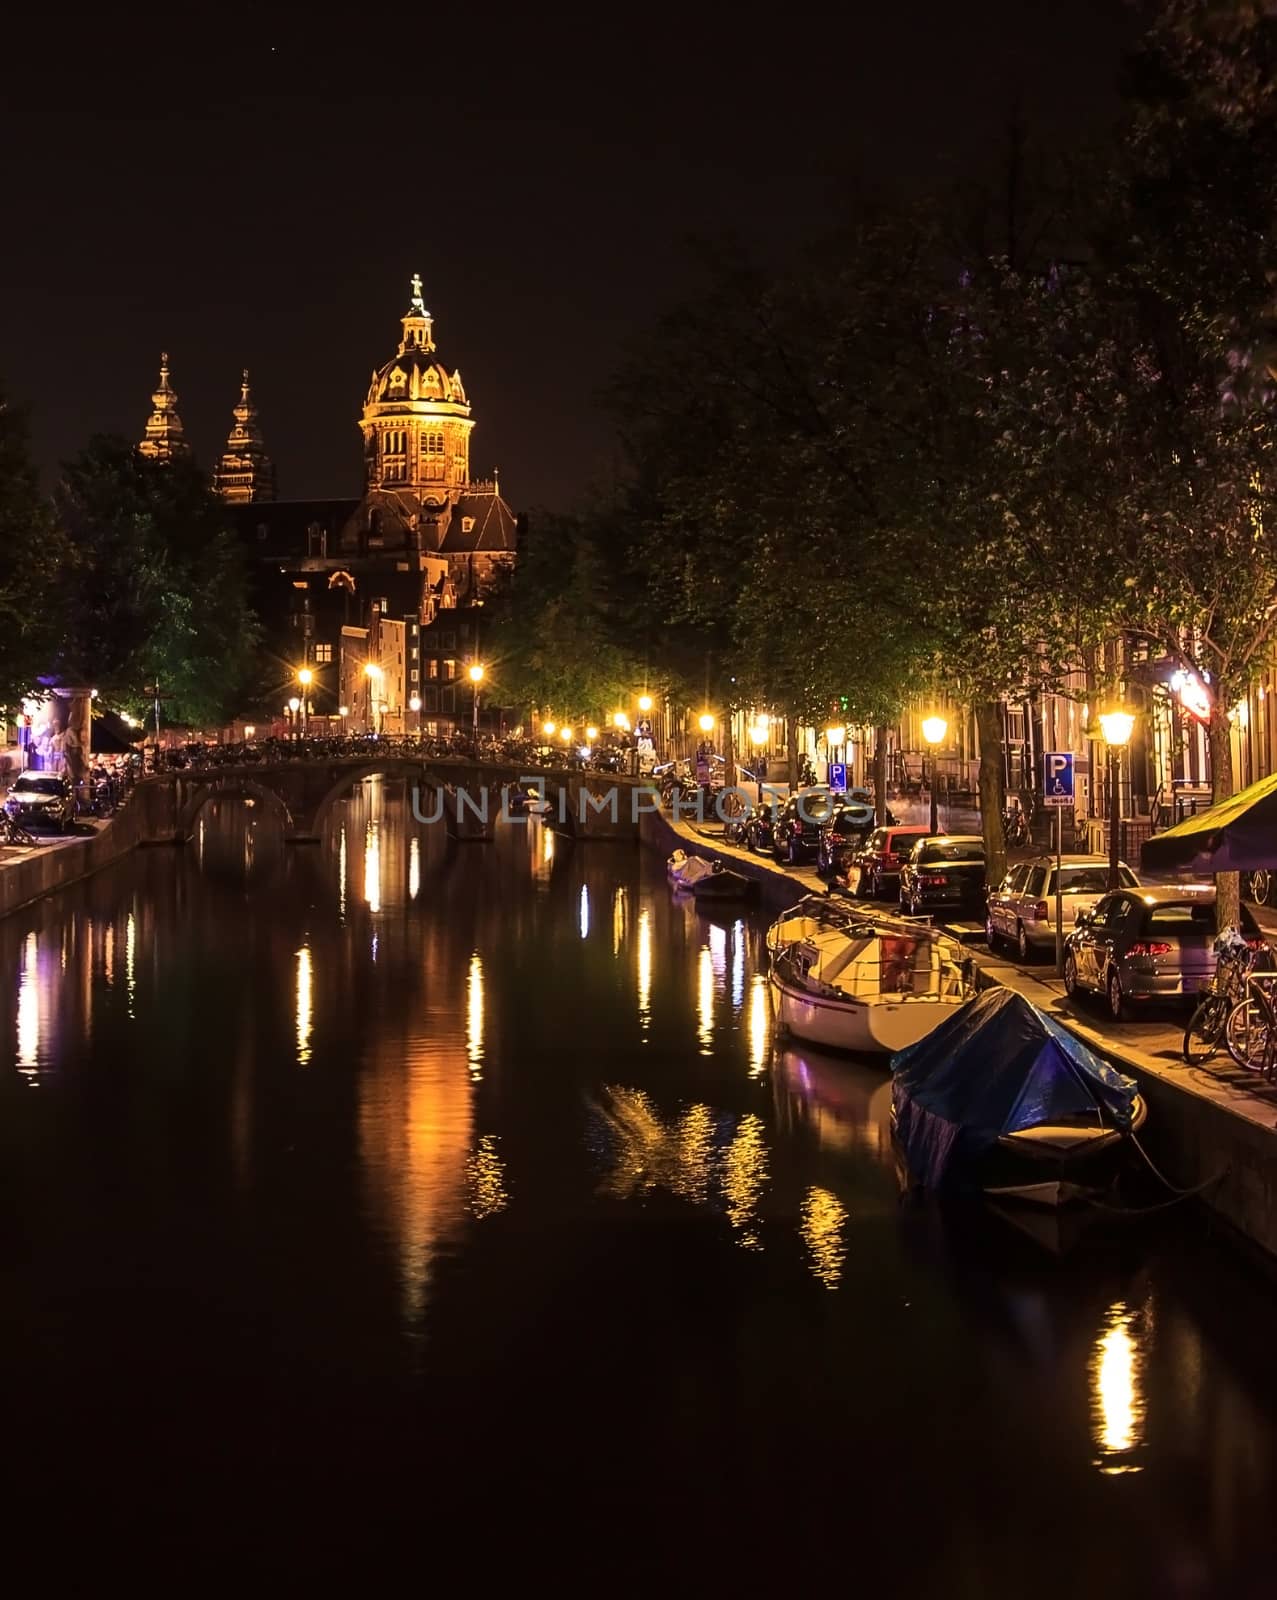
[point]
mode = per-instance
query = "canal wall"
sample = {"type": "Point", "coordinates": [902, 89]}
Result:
{"type": "Point", "coordinates": [1202, 1133]}
{"type": "Point", "coordinates": [147, 818]}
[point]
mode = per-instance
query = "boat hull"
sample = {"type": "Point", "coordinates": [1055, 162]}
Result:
{"type": "Point", "coordinates": [875, 1024]}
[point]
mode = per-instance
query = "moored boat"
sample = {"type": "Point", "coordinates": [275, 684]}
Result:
{"type": "Point", "coordinates": [707, 880]}
{"type": "Point", "coordinates": [864, 984]}
{"type": "Point", "coordinates": [1002, 1099]}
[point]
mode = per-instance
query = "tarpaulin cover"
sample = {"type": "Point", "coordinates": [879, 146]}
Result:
{"type": "Point", "coordinates": [996, 1065]}
{"type": "Point", "coordinates": [1237, 835]}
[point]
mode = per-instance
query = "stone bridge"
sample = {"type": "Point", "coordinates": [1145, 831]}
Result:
{"type": "Point", "coordinates": [462, 795]}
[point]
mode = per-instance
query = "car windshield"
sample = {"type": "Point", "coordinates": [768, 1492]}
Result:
{"type": "Point", "coordinates": [29, 785]}
{"type": "Point", "coordinates": [853, 820]}
{"type": "Point", "coordinates": [956, 851]}
{"type": "Point", "coordinates": [1190, 917]}
{"type": "Point", "coordinates": [1087, 880]}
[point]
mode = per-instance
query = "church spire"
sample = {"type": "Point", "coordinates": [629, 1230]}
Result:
{"type": "Point", "coordinates": [418, 325]}
{"type": "Point", "coordinates": [245, 472]}
{"type": "Point", "coordinates": [164, 438]}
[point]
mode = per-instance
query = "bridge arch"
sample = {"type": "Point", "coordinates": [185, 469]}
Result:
{"type": "Point", "coordinates": [389, 766]}
{"type": "Point", "coordinates": [229, 787]}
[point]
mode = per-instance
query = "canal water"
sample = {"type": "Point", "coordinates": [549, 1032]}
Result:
{"type": "Point", "coordinates": [451, 1210]}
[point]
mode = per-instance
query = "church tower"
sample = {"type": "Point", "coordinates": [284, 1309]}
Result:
{"type": "Point", "coordinates": [245, 473]}
{"type": "Point", "coordinates": [416, 420]}
{"type": "Point", "coordinates": [164, 439]}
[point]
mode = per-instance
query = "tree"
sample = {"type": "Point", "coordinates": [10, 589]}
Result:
{"type": "Point", "coordinates": [33, 557]}
{"type": "Point", "coordinates": [157, 594]}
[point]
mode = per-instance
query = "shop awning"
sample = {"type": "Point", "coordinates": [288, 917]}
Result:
{"type": "Point", "coordinates": [1237, 835]}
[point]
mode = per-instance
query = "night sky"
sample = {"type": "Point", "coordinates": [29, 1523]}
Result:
{"type": "Point", "coordinates": [262, 199]}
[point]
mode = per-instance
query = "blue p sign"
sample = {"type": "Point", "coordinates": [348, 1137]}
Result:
{"type": "Point", "coordinates": [1057, 772]}
{"type": "Point", "coordinates": [838, 776]}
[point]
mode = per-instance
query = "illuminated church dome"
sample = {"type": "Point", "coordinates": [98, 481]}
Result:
{"type": "Point", "coordinates": [416, 420]}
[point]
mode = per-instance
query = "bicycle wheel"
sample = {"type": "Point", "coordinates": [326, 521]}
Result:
{"type": "Point", "coordinates": [1205, 1029]}
{"type": "Point", "coordinates": [1246, 1032]}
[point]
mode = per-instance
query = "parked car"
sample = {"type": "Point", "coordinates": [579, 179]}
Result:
{"type": "Point", "coordinates": [1147, 944]}
{"type": "Point", "coordinates": [850, 824]}
{"type": "Point", "coordinates": [875, 869]}
{"type": "Point", "coordinates": [41, 800]}
{"type": "Point", "coordinates": [1022, 907]}
{"type": "Point", "coordinates": [944, 870]}
{"type": "Point", "coordinates": [796, 831]}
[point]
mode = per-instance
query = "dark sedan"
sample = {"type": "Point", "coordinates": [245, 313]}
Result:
{"type": "Point", "coordinates": [41, 800]}
{"type": "Point", "coordinates": [944, 870]}
{"type": "Point", "coordinates": [849, 825]}
{"type": "Point", "coordinates": [796, 831]}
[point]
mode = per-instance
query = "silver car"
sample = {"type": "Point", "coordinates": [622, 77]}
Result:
{"type": "Point", "coordinates": [1148, 944]}
{"type": "Point", "coordinates": [1022, 909]}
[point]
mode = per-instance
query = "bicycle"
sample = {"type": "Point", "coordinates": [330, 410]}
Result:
{"type": "Point", "coordinates": [12, 832]}
{"type": "Point", "coordinates": [1208, 1025]}
{"type": "Point", "coordinates": [1251, 1030]}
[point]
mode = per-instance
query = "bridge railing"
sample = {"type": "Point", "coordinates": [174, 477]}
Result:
{"type": "Point", "coordinates": [373, 747]}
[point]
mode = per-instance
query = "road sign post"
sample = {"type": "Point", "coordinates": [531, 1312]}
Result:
{"type": "Point", "coordinates": [838, 777]}
{"type": "Point", "coordinates": [1057, 792]}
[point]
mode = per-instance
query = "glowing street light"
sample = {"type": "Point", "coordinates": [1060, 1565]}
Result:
{"type": "Point", "coordinates": [591, 734]}
{"type": "Point", "coordinates": [706, 722]}
{"type": "Point", "coordinates": [414, 702]}
{"type": "Point", "coordinates": [305, 677]}
{"type": "Point", "coordinates": [566, 735]}
{"type": "Point", "coordinates": [645, 702]}
{"type": "Point", "coordinates": [621, 721]}
{"type": "Point", "coordinates": [1117, 727]}
{"type": "Point", "coordinates": [549, 729]}
{"type": "Point", "coordinates": [294, 705]}
{"type": "Point", "coordinates": [933, 731]}
{"type": "Point", "coordinates": [476, 678]}
{"type": "Point", "coordinates": [835, 738]}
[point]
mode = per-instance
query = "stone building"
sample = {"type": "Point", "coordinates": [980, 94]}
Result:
{"type": "Point", "coordinates": [245, 473]}
{"type": "Point", "coordinates": [164, 437]}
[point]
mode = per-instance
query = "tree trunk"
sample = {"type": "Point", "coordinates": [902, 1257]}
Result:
{"type": "Point", "coordinates": [791, 749]}
{"type": "Point", "coordinates": [988, 721]}
{"type": "Point", "coordinates": [880, 776]}
{"type": "Point", "coordinates": [1228, 889]}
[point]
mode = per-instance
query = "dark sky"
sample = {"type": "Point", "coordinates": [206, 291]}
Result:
{"type": "Point", "coordinates": [261, 199]}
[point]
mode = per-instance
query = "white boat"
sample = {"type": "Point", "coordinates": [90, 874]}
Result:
{"type": "Point", "coordinates": [866, 985]}
{"type": "Point", "coordinates": [706, 880]}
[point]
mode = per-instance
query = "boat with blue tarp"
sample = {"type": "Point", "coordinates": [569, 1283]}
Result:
{"type": "Point", "coordinates": [1001, 1098]}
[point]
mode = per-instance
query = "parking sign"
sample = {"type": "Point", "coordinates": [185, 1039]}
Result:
{"type": "Point", "coordinates": [838, 776]}
{"type": "Point", "coordinates": [1057, 771]}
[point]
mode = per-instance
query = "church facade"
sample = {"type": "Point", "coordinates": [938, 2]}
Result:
{"type": "Point", "coordinates": [378, 598]}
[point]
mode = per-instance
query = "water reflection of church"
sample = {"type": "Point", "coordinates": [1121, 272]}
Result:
{"type": "Point", "coordinates": [396, 578]}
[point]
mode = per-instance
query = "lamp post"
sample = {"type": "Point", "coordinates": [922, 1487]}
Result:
{"type": "Point", "coordinates": [933, 731]}
{"type": "Point", "coordinates": [305, 677]}
{"type": "Point", "coordinates": [476, 678]}
{"type": "Point", "coordinates": [372, 674]}
{"type": "Point", "coordinates": [294, 706]}
{"type": "Point", "coordinates": [1117, 727]}
{"type": "Point", "coordinates": [835, 739]}
{"type": "Point", "coordinates": [414, 705]}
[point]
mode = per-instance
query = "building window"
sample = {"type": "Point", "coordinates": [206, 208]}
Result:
{"type": "Point", "coordinates": [448, 700]}
{"type": "Point", "coordinates": [416, 674]}
{"type": "Point", "coordinates": [430, 700]}
{"type": "Point", "coordinates": [432, 444]}
{"type": "Point", "coordinates": [432, 669]}
{"type": "Point", "coordinates": [449, 669]}
{"type": "Point", "coordinates": [323, 655]}
{"type": "Point", "coordinates": [448, 641]}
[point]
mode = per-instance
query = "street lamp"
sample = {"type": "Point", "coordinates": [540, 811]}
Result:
{"type": "Point", "coordinates": [305, 677]}
{"type": "Point", "coordinates": [621, 721]}
{"type": "Point", "coordinates": [1116, 726]}
{"type": "Point", "coordinates": [566, 735]}
{"type": "Point", "coordinates": [645, 702]}
{"type": "Point", "coordinates": [549, 729]}
{"type": "Point", "coordinates": [707, 723]}
{"type": "Point", "coordinates": [591, 734]}
{"type": "Point", "coordinates": [933, 731]}
{"type": "Point", "coordinates": [476, 678]}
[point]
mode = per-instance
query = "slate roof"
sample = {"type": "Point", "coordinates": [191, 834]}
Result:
{"type": "Point", "coordinates": [287, 524]}
{"type": "Point", "coordinates": [495, 528]}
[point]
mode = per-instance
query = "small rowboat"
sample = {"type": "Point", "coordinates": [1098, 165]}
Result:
{"type": "Point", "coordinates": [707, 880]}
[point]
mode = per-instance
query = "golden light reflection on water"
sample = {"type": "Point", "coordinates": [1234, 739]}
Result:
{"type": "Point", "coordinates": [303, 1005]}
{"type": "Point", "coordinates": [474, 1017]}
{"type": "Point", "coordinates": [645, 968]}
{"type": "Point", "coordinates": [583, 912]}
{"type": "Point", "coordinates": [485, 1180]}
{"type": "Point", "coordinates": [821, 1221]}
{"type": "Point", "coordinates": [743, 1178]}
{"type": "Point", "coordinates": [618, 919]}
{"type": "Point", "coordinates": [738, 967]}
{"type": "Point", "coordinates": [1117, 1391]}
{"type": "Point", "coordinates": [29, 1008]}
{"type": "Point", "coordinates": [414, 867]}
{"type": "Point", "coordinates": [108, 954]}
{"type": "Point", "coordinates": [759, 1021]}
{"type": "Point", "coordinates": [372, 865]}
{"type": "Point", "coordinates": [547, 844]}
{"type": "Point", "coordinates": [705, 1000]}
{"type": "Point", "coordinates": [342, 865]}
{"type": "Point", "coordinates": [650, 1153]}
{"type": "Point", "coordinates": [130, 961]}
